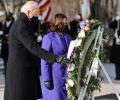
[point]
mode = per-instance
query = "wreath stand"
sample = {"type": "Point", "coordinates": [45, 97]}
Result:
{"type": "Point", "coordinates": [96, 64]}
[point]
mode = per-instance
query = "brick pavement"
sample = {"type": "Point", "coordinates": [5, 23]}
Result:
{"type": "Point", "coordinates": [1, 93]}
{"type": "Point", "coordinates": [1, 84]}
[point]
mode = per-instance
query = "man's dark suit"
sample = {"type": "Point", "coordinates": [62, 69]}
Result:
{"type": "Point", "coordinates": [22, 77]}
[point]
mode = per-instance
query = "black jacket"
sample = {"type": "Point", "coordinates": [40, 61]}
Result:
{"type": "Point", "coordinates": [74, 25]}
{"type": "Point", "coordinates": [115, 50]}
{"type": "Point", "coordinates": [22, 77]}
{"type": "Point", "coordinates": [4, 48]}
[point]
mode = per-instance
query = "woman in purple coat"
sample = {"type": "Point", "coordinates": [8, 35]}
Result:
{"type": "Point", "coordinates": [54, 75]}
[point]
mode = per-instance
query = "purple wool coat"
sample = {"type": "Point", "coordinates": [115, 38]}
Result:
{"type": "Point", "coordinates": [55, 72]}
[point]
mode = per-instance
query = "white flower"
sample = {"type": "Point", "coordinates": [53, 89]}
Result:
{"type": "Point", "coordinates": [71, 67]}
{"type": "Point", "coordinates": [70, 82]}
{"type": "Point", "coordinates": [78, 43]}
{"type": "Point", "coordinates": [81, 34]}
{"type": "Point", "coordinates": [66, 86]}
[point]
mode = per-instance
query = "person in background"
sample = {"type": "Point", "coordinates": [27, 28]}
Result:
{"type": "Point", "coordinates": [22, 75]}
{"type": "Point", "coordinates": [9, 20]}
{"type": "Point", "coordinates": [115, 50]}
{"type": "Point", "coordinates": [54, 74]}
{"type": "Point", "coordinates": [45, 27]}
{"type": "Point", "coordinates": [74, 26]}
{"type": "Point", "coordinates": [1, 31]}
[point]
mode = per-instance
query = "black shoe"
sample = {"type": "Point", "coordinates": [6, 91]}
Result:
{"type": "Point", "coordinates": [117, 78]}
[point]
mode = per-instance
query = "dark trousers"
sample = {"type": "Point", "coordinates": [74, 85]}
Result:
{"type": "Point", "coordinates": [117, 70]}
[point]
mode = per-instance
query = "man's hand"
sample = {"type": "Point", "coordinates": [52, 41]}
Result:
{"type": "Point", "coordinates": [71, 60]}
{"type": "Point", "coordinates": [62, 59]}
{"type": "Point", "coordinates": [49, 84]}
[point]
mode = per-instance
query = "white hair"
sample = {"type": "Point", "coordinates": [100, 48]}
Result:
{"type": "Point", "coordinates": [29, 5]}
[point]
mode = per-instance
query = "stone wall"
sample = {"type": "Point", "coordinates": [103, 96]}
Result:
{"type": "Point", "coordinates": [69, 7]}
{"type": "Point", "coordinates": [100, 9]}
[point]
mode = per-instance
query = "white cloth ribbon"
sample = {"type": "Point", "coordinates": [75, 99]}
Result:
{"type": "Point", "coordinates": [8, 23]}
{"type": "Point", "coordinates": [116, 32]}
{"type": "Point", "coordinates": [73, 44]}
{"type": "Point", "coordinates": [95, 67]}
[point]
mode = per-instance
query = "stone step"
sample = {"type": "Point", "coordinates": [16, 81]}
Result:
{"type": "Point", "coordinates": [1, 64]}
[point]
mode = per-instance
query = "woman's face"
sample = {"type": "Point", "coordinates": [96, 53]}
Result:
{"type": "Point", "coordinates": [61, 21]}
{"type": "Point", "coordinates": [65, 21]}
{"type": "Point", "coordinates": [58, 21]}
{"type": "Point", "coordinates": [61, 25]}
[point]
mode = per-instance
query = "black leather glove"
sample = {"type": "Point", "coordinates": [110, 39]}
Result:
{"type": "Point", "coordinates": [62, 59]}
{"type": "Point", "coordinates": [71, 60]}
{"type": "Point", "coordinates": [49, 85]}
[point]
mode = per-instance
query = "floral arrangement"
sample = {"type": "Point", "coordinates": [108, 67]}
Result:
{"type": "Point", "coordinates": [81, 50]}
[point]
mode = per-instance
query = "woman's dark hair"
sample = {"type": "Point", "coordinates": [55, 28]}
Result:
{"type": "Point", "coordinates": [60, 15]}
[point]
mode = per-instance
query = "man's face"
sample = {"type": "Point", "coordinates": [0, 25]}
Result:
{"type": "Point", "coordinates": [33, 13]}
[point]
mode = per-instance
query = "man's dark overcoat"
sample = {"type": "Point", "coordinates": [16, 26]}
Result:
{"type": "Point", "coordinates": [22, 77]}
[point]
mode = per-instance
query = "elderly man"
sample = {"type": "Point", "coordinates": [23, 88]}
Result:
{"type": "Point", "coordinates": [22, 78]}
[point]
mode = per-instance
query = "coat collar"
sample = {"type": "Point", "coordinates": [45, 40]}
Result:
{"type": "Point", "coordinates": [25, 19]}
{"type": "Point", "coordinates": [65, 36]}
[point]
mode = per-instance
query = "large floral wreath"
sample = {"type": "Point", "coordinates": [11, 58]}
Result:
{"type": "Point", "coordinates": [81, 50]}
